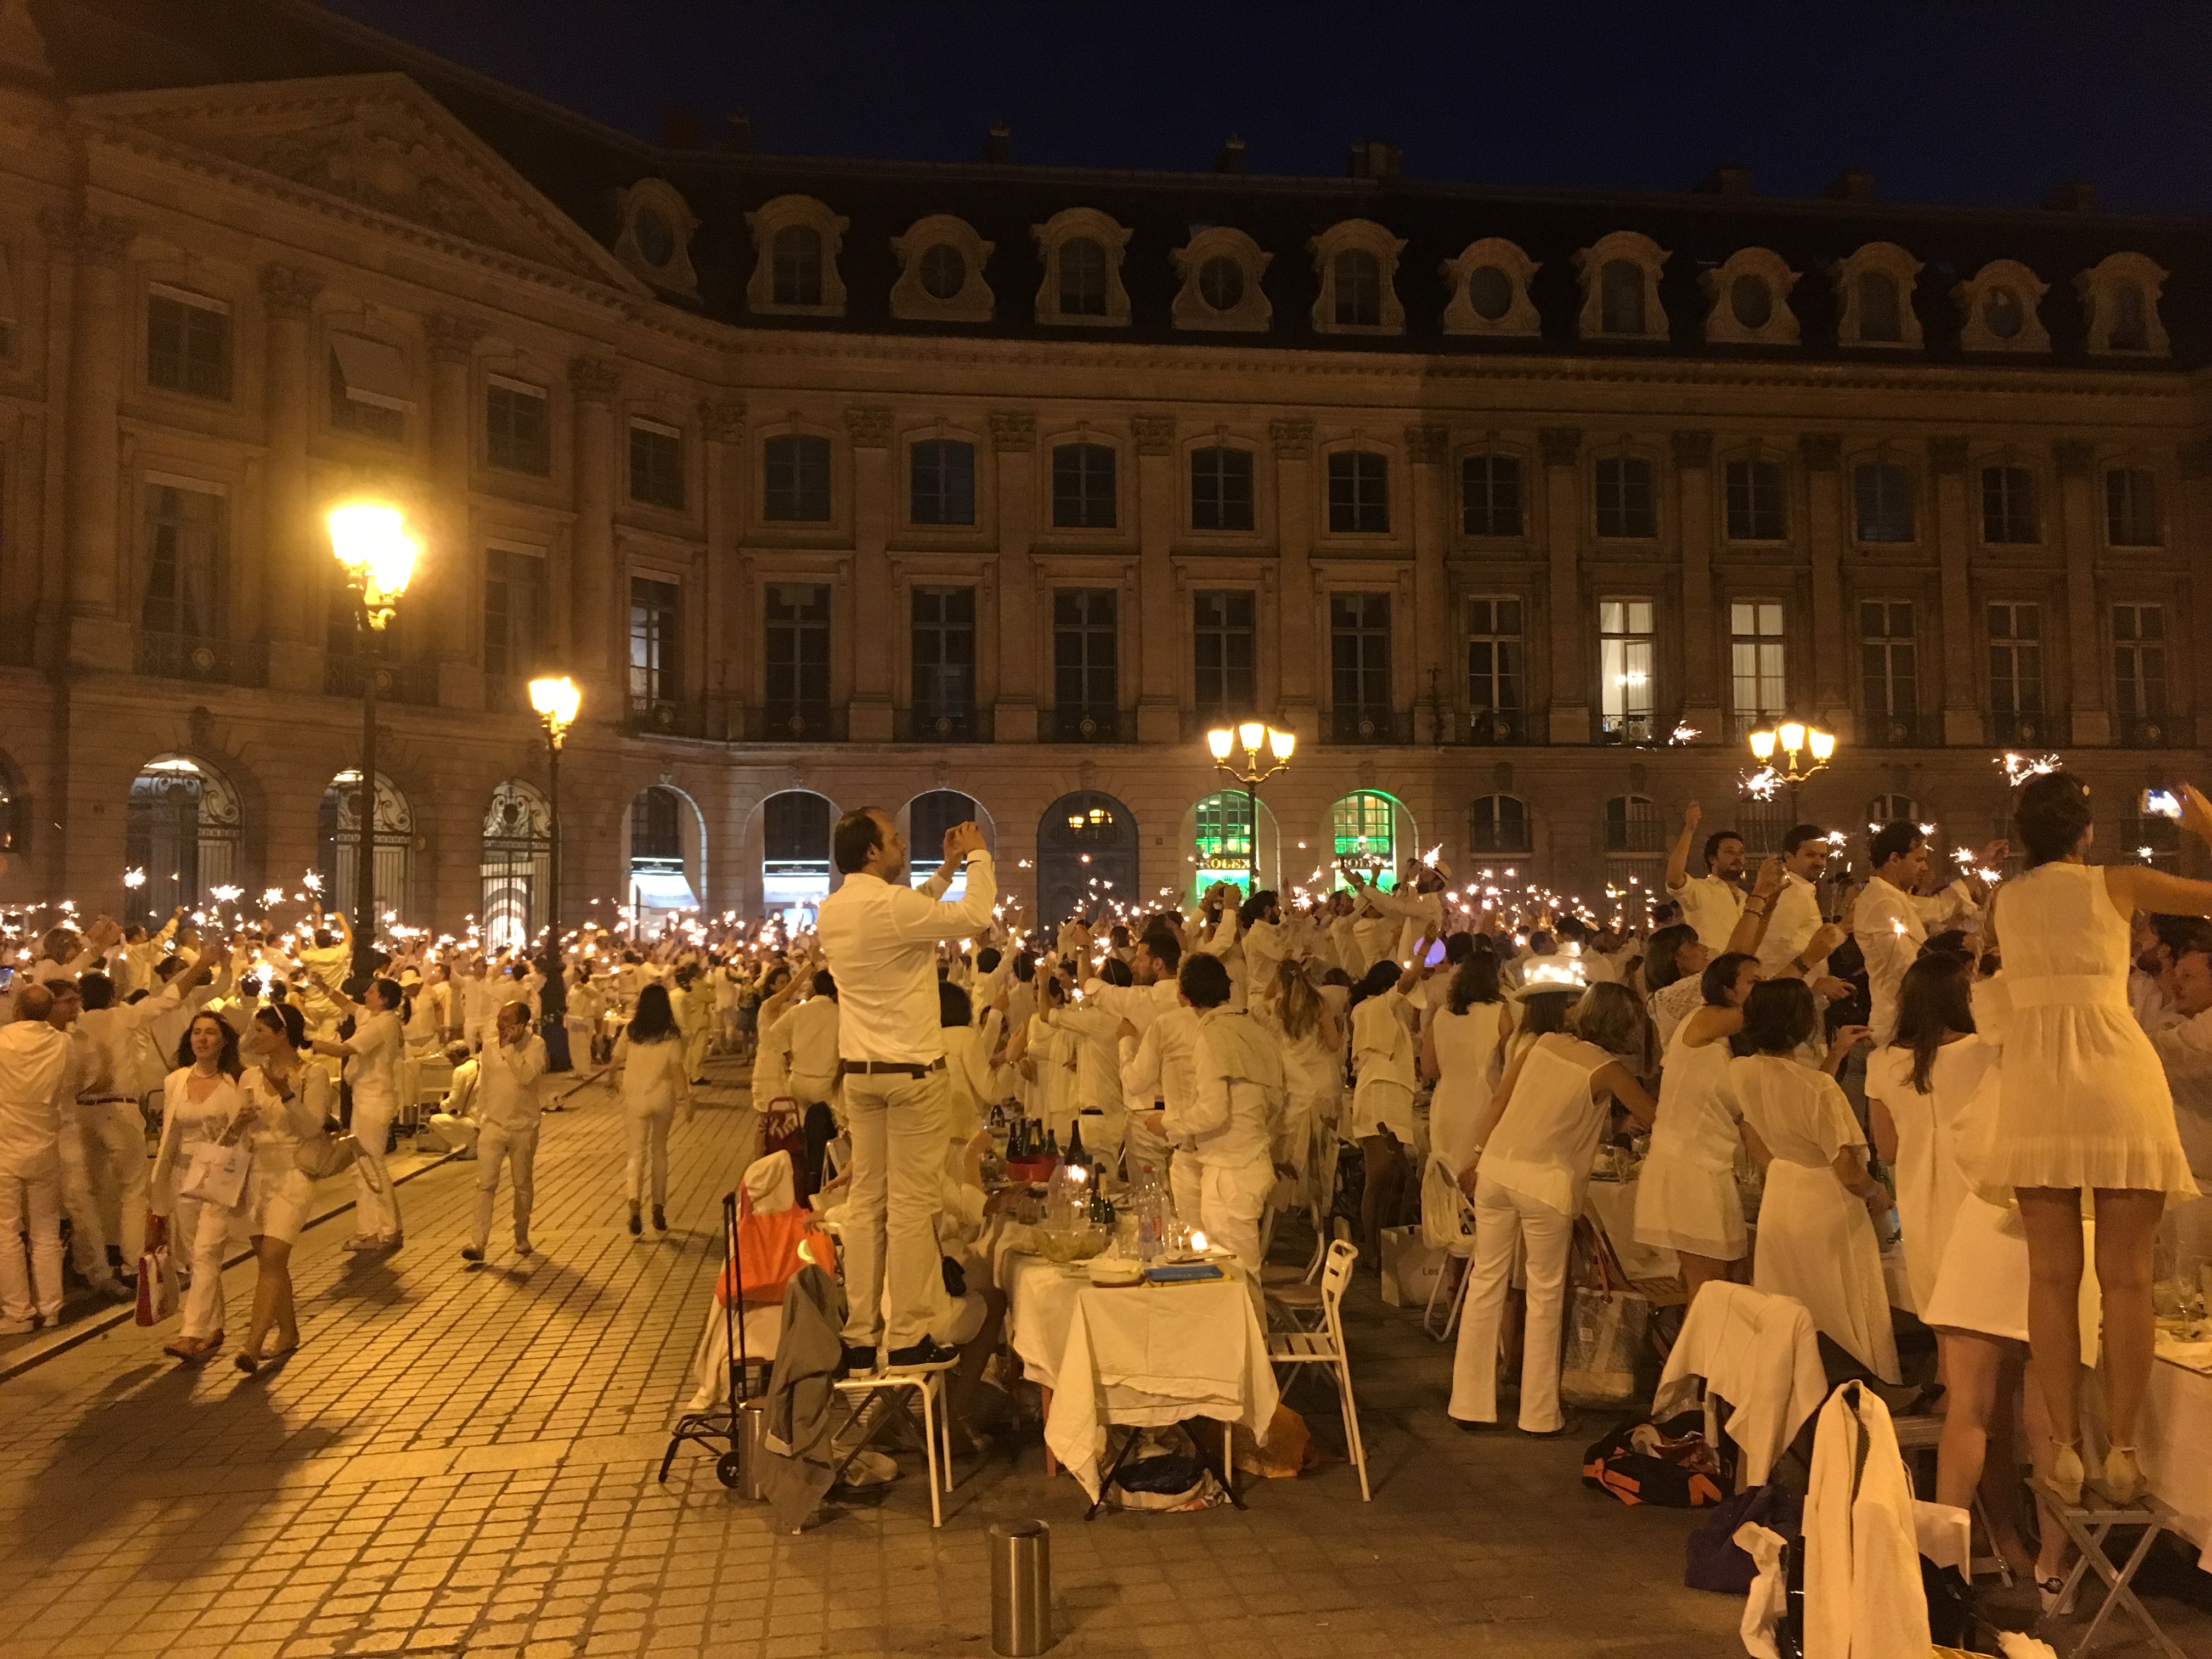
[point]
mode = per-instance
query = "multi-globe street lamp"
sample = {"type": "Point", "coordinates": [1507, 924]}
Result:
{"type": "Point", "coordinates": [1256, 739]}
{"type": "Point", "coordinates": [1803, 750]}
{"type": "Point", "coordinates": [370, 540]}
{"type": "Point", "coordinates": [557, 700]}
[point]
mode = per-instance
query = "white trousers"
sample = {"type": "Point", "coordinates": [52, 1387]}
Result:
{"type": "Point", "coordinates": [518, 1149]}
{"type": "Point", "coordinates": [115, 1146]}
{"type": "Point", "coordinates": [1232, 1200]}
{"type": "Point", "coordinates": [1145, 1142]}
{"type": "Point", "coordinates": [1503, 1219]}
{"type": "Point", "coordinates": [375, 1204]}
{"type": "Point", "coordinates": [87, 1239]}
{"type": "Point", "coordinates": [899, 1125]}
{"type": "Point", "coordinates": [31, 1204]}
{"type": "Point", "coordinates": [647, 1134]}
{"type": "Point", "coordinates": [199, 1238]}
{"type": "Point", "coordinates": [455, 1134]}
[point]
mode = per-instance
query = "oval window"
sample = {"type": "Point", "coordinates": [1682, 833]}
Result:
{"type": "Point", "coordinates": [2000, 314]}
{"type": "Point", "coordinates": [656, 241]}
{"type": "Point", "coordinates": [1221, 283]}
{"type": "Point", "coordinates": [1750, 301]}
{"type": "Point", "coordinates": [1490, 291]}
{"type": "Point", "coordinates": [944, 271]}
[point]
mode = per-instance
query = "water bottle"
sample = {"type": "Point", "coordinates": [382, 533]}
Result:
{"type": "Point", "coordinates": [1149, 1220]}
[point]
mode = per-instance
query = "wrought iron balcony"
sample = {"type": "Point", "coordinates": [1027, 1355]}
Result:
{"type": "Point", "coordinates": [2029, 728]}
{"type": "Point", "coordinates": [1370, 726]}
{"type": "Point", "coordinates": [190, 657]}
{"type": "Point", "coordinates": [934, 726]}
{"type": "Point", "coordinates": [1903, 730]}
{"type": "Point", "coordinates": [1495, 726]}
{"type": "Point", "coordinates": [396, 681]}
{"type": "Point", "coordinates": [795, 722]}
{"type": "Point", "coordinates": [1632, 731]}
{"type": "Point", "coordinates": [2153, 731]}
{"type": "Point", "coordinates": [1080, 723]}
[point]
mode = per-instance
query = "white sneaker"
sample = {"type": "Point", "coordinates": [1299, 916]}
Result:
{"type": "Point", "coordinates": [363, 1241]}
{"type": "Point", "coordinates": [17, 1327]}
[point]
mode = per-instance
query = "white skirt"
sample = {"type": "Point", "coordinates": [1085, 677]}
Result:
{"type": "Point", "coordinates": [1377, 1105]}
{"type": "Point", "coordinates": [1816, 1242]}
{"type": "Point", "coordinates": [1982, 1286]}
{"type": "Point", "coordinates": [1681, 1206]}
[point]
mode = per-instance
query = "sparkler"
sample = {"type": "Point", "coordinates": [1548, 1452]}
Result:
{"type": "Point", "coordinates": [2019, 769]}
{"type": "Point", "coordinates": [1683, 734]}
{"type": "Point", "coordinates": [134, 878]}
{"type": "Point", "coordinates": [1761, 785]}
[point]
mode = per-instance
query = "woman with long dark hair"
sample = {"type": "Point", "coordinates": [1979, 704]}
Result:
{"type": "Point", "coordinates": [2083, 1106]}
{"type": "Point", "coordinates": [1460, 1044]}
{"type": "Point", "coordinates": [1382, 1088]}
{"type": "Point", "coordinates": [1685, 1196]}
{"type": "Point", "coordinates": [201, 1103]}
{"type": "Point", "coordinates": [290, 1099]}
{"type": "Point", "coordinates": [1312, 1071]}
{"type": "Point", "coordinates": [649, 1075]}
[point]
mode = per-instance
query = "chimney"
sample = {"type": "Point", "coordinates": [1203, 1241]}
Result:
{"type": "Point", "coordinates": [999, 146]}
{"type": "Point", "coordinates": [2074, 196]}
{"type": "Point", "coordinates": [1370, 158]}
{"type": "Point", "coordinates": [1231, 159]}
{"type": "Point", "coordinates": [1726, 180]}
{"type": "Point", "coordinates": [738, 137]}
{"type": "Point", "coordinates": [679, 128]}
{"type": "Point", "coordinates": [1852, 184]}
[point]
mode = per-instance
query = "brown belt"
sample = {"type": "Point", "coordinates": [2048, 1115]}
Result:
{"type": "Point", "coordinates": [893, 1067]}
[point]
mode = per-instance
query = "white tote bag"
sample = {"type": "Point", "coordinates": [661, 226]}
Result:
{"type": "Point", "coordinates": [214, 1171]}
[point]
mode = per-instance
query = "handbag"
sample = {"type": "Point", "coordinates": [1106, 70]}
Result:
{"type": "Point", "coordinates": [322, 1156]}
{"type": "Point", "coordinates": [157, 1289]}
{"type": "Point", "coordinates": [1605, 1336]}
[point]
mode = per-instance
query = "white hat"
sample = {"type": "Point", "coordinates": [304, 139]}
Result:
{"type": "Point", "coordinates": [1539, 976]}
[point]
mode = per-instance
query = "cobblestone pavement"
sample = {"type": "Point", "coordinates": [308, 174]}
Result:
{"type": "Point", "coordinates": [462, 1462]}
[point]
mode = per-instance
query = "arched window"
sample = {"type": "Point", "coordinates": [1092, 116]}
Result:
{"type": "Point", "coordinates": [1620, 297]}
{"type": "Point", "coordinates": [1223, 832]}
{"type": "Point", "coordinates": [795, 849]}
{"type": "Point", "coordinates": [1082, 277]}
{"type": "Point", "coordinates": [927, 817]}
{"type": "Point", "coordinates": [1084, 841]}
{"type": "Point", "coordinates": [1891, 809]}
{"type": "Point", "coordinates": [1359, 283]}
{"type": "Point", "coordinates": [796, 271]}
{"type": "Point", "coordinates": [393, 840]}
{"type": "Point", "coordinates": [1498, 824]}
{"type": "Point", "coordinates": [182, 829]}
{"type": "Point", "coordinates": [1371, 833]}
{"type": "Point", "coordinates": [1632, 825]}
{"type": "Point", "coordinates": [516, 865]}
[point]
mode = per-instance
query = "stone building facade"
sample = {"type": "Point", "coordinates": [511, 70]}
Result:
{"type": "Point", "coordinates": [836, 483]}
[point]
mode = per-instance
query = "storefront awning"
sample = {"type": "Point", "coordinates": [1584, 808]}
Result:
{"type": "Point", "coordinates": [661, 889]}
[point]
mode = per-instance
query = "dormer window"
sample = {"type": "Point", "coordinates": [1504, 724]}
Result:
{"type": "Point", "coordinates": [1997, 309]}
{"type": "Point", "coordinates": [1489, 284]}
{"type": "Point", "coordinates": [1873, 297]}
{"type": "Point", "coordinates": [1621, 304]}
{"type": "Point", "coordinates": [797, 266]}
{"type": "Point", "coordinates": [943, 271]}
{"type": "Point", "coordinates": [1357, 263]}
{"type": "Point", "coordinates": [796, 241]}
{"type": "Point", "coordinates": [1880, 314]}
{"type": "Point", "coordinates": [2119, 302]}
{"type": "Point", "coordinates": [1082, 278]}
{"type": "Point", "coordinates": [941, 261]}
{"type": "Point", "coordinates": [1357, 276]}
{"type": "Point", "coordinates": [655, 237]}
{"type": "Point", "coordinates": [1750, 296]}
{"type": "Point", "coordinates": [1082, 250]}
{"type": "Point", "coordinates": [1220, 269]}
{"type": "Point", "coordinates": [1620, 287]}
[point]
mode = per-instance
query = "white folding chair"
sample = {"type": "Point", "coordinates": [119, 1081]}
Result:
{"type": "Point", "coordinates": [928, 1385]}
{"type": "Point", "coordinates": [1295, 1292]}
{"type": "Point", "coordinates": [1325, 1346]}
{"type": "Point", "coordinates": [1447, 1224]}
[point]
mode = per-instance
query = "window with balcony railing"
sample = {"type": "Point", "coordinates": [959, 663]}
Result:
{"type": "Point", "coordinates": [1360, 667]}
{"type": "Point", "coordinates": [796, 660]}
{"type": "Point", "coordinates": [1085, 664]}
{"type": "Point", "coordinates": [943, 643]}
{"type": "Point", "coordinates": [1625, 691]}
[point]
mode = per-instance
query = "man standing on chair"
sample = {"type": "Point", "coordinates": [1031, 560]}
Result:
{"type": "Point", "coordinates": [880, 937]}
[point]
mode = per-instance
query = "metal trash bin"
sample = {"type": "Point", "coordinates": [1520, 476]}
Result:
{"type": "Point", "coordinates": [752, 1449]}
{"type": "Point", "coordinates": [1021, 1588]}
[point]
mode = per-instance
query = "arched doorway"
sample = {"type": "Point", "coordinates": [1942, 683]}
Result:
{"type": "Point", "coordinates": [1370, 832]}
{"type": "Point", "coordinates": [1221, 834]}
{"type": "Point", "coordinates": [181, 831]}
{"type": "Point", "coordinates": [795, 852]}
{"type": "Point", "coordinates": [338, 822]}
{"type": "Point", "coordinates": [1086, 851]}
{"type": "Point", "coordinates": [924, 820]}
{"type": "Point", "coordinates": [516, 866]}
{"type": "Point", "coordinates": [667, 872]}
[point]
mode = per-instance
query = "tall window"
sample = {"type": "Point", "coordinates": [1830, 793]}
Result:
{"type": "Point", "coordinates": [2130, 330]}
{"type": "Point", "coordinates": [514, 610]}
{"type": "Point", "coordinates": [796, 655]}
{"type": "Point", "coordinates": [2008, 504]}
{"type": "Point", "coordinates": [1882, 491]}
{"type": "Point", "coordinates": [2015, 664]}
{"type": "Point", "coordinates": [1620, 297]}
{"type": "Point", "coordinates": [943, 477]}
{"type": "Point", "coordinates": [184, 530]}
{"type": "Point", "coordinates": [656, 464]}
{"type": "Point", "coordinates": [2138, 661]}
{"type": "Point", "coordinates": [1881, 318]}
{"type": "Point", "coordinates": [1490, 496]}
{"type": "Point", "coordinates": [188, 343]}
{"type": "Point", "coordinates": [654, 652]}
{"type": "Point", "coordinates": [1225, 653]}
{"type": "Point", "coordinates": [1624, 497]}
{"type": "Point", "coordinates": [795, 479]}
{"type": "Point", "coordinates": [795, 266]}
{"type": "Point", "coordinates": [1085, 682]}
{"type": "Point", "coordinates": [1498, 824]}
{"type": "Point", "coordinates": [1083, 487]}
{"type": "Point", "coordinates": [1756, 659]}
{"type": "Point", "coordinates": [1359, 666]}
{"type": "Point", "coordinates": [517, 435]}
{"type": "Point", "coordinates": [1495, 654]}
{"type": "Point", "coordinates": [656, 834]}
{"type": "Point", "coordinates": [1358, 492]}
{"type": "Point", "coordinates": [369, 388]}
{"type": "Point", "coordinates": [1364, 824]}
{"type": "Point", "coordinates": [1356, 278]}
{"type": "Point", "coordinates": [1632, 824]}
{"type": "Point", "coordinates": [1889, 663]}
{"type": "Point", "coordinates": [1220, 488]}
{"type": "Point", "coordinates": [1082, 277]}
{"type": "Point", "coordinates": [2131, 507]}
{"type": "Point", "coordinates": [944, 661]}
{"type": "Point", "coordinates": [1754, 502]}
{"type": "Point", "coordinates": [1625, 690]}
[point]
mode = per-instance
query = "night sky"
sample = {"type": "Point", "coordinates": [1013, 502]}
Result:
{"type": "Point", "coordinates": [1984, 104]}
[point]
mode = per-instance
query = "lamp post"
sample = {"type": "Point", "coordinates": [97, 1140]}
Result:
{"type": "Point", "coordinates": [1252, 737]}
{"type": "Point", "coordinates": [370, 540]}
{"type": "Point", "coordinates": [1805, 749]}
{"type": "Point", "coordinates": [556, 701]}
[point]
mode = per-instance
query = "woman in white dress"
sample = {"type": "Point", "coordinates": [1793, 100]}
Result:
{"type": "Point", "coordinates": [1460, 1045]}
{"type": "Point", "coordinates": [1816, 1237]}
{"type": "Point", "coordinates": [290, 1100]}
{"type": "Point", "coordinates": [1538, 1135]}
{"type": "Point", "coordinates": [200, 1102]}
{"type": "Point", "coordinates": [1675, 964]}
{"type": "Point", "coordinates": [2083, 1106]}
{"type": "Point", "coordinates": [649, 1075]}
{"type": "Point", "coordinates": [1312, 1069]}
{"type": "Point", "coordinates": [1686, 1195]}
{"type": "Point", "coordinates": [1382, 1088]}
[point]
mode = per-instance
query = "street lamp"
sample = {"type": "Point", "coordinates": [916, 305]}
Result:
{"type": "Point", "coordinates": [371, 543]}
{"type": "Point", "coordinates": [1252, 737]}
{"type": "Point", "coordinates": [556, 701]}
{"type": "Point", "coordinates": [1805, 749]}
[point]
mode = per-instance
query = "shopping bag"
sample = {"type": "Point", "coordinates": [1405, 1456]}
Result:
{"type": "Point", "coordinates": [1411, 1267]}
{"type": "Point", "coordinates": [157, 1291]}
{"type": "Point", "coordinates": [214, 1173]}
{"type": "Point", "coordinates": [768, 1252]}
{"type": "Point", "coordinates": [1605, 1334]}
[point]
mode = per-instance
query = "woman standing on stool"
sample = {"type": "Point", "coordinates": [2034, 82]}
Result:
{"type": "Point", "coordinates": [649, 1074]}
{"type": "Point", "coordinates": [2083, 1107]}
{"type": "Point", "coordinates": [290, 1101]}
{"type": "Point", "coordinates": [201, 1102]}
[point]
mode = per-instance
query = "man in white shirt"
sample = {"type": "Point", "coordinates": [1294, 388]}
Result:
{"type": "Point", "coordinates": [372, 1059]}
{"type": "Point", "coordinates": [810, 1036]}
{"type": "Point", "coordinates": [2181, 1035]}
{"type": "Point", "coordinates": [108, 1113]}
{"type": "Point", "coordinates": [480, 997]}
{"type": "Point", "coordinates": [36, 1071]}
{"type": "Point", "coordinates": [1227, 1133]}
{"type": "Point", "coordinates": [454, 1126]}
{"type": "Point", "coordinates": [1153, 963]}
{"type": "Point", "coordinates": [1886, 922]}
{"type": "Point", "coordinates": [506, 1116]}
{"type": "Point", "coordinates": [879, 938]}
{"type": "Point", "coordinates": [1795, 916]}
{"type": "Point", "coordinates": [1711, 902]}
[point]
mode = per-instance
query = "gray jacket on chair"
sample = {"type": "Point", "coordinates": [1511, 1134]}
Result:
{"type": "Point", "coordinates": [800, 1420]}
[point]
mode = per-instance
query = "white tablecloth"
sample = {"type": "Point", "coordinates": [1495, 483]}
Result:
{"type": "Point", "coordinates": [1154, 1355]}
{"type": "Point", "coordinates": [1040, 1306]}
{"type": "Point", "coordinates": [2176, 1432]}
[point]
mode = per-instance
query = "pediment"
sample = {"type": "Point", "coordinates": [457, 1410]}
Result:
{"type": "Point", "coordinates": [374, 142]}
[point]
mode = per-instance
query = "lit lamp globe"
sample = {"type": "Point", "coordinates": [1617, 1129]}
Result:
{"type": "Point", "coordinates": [1281, 743]}
{"type": "Point", "coordinates": [370, 539]}
{"type": "Point", "coordinates": [1220, 741]}
{"type": "Point", "coordinates": [1762, 746]}
{"type": "Point", "coordinates": [556, 702]}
